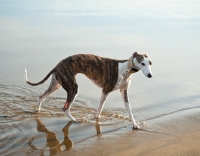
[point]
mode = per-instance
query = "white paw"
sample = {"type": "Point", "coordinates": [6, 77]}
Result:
{"type": "Point", "coordinates": [70, 116]}
{"type": "Point", "coordinates": [136, 126]}
{"type": "Point", "coordinates": [74, 120]}
{"type": "Point", "coordinates": [37, 110]}
{"type": "Point", "coordinates": [98, 117]}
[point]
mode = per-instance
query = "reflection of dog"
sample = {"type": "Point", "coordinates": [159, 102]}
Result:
{"type": "Point", "coordinates": [108, 74]}
{"type": "Point", "coordinates": [52, 142]}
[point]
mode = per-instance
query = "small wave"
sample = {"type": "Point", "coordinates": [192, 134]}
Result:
{"type": "Point", "coordinates": [173, 112]}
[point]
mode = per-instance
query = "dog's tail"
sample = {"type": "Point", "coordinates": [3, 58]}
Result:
{"type": "Point", "coordinates": [42, 81]}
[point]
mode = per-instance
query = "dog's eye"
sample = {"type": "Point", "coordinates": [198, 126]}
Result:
{"type": "Point", "coordinates": [143, 64]}
{"type": "Point", "coordinates": [150, 62]}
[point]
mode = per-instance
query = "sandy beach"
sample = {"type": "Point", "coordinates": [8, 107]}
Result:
{"type": "Point", "coordinates": [180, 137]}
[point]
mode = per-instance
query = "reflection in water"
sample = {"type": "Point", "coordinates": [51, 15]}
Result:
{"type": "Point", "coordinates": [67, 142]}
{"type": "Point", "coordinates": [53, 145]}
{"type": "Point", "coordinates": [98, 128]}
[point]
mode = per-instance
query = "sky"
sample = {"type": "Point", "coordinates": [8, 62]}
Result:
{"type": "Point", "coordinates": [51, 25]}
{"type": "Point", "coordinates": [182, 9]}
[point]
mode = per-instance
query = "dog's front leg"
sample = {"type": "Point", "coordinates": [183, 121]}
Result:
{"type": "Point", "coordinates": [102, 103]}
{"type": "Point", "coordinates": [124, 94]}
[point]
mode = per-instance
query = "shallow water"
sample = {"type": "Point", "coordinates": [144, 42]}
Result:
{"type": "Point", "coordinates": [39, 40]}
{"type": "Point", "coordinates": [24, 131]}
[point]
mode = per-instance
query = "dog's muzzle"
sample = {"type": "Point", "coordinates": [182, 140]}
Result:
{"type": "Point", "coordinates": [149, 75]}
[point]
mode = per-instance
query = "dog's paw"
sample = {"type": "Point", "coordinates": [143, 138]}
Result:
{"type": "Point", "coordinates": [136, 126]}
{"type": "Point", "coordinates": [98, 117]}
{"type": "Point", "coordinates": [37, 110]}
{"type": "Point", "coordinates": [74, 120]}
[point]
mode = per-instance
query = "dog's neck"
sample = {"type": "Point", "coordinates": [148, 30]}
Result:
{"type": "Point", "coordinates": [127, 68]}
{"type": "Point", "coordinates": [131, 67]}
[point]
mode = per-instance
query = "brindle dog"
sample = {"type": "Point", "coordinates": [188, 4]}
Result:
{"type": "Point", "coordinates": [108, 74]}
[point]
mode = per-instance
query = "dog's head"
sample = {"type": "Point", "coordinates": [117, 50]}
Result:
{"type": "Point", "coordinates": [142, 62]}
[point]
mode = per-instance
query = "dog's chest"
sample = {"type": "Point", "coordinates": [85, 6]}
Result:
{"type": "Point", "coordinates": [123, 80]}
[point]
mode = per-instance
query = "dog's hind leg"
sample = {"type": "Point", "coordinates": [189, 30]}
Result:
{"type": "Point", "coordinates": [71, 95]}
{"type": "Point", "coordinates": [54, 85]}
{"type": "Point", "coordinates": [102, 103]}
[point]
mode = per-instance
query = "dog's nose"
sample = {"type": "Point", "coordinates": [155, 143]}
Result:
{"type": "Point", "coordinates": [149, 75]}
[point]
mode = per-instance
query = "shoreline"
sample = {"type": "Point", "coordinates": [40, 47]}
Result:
{"type": "Point", "coordinates": [179, 136]}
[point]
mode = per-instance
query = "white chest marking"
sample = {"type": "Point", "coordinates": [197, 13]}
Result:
{"type": "Point", "coordinates": [124, 77]}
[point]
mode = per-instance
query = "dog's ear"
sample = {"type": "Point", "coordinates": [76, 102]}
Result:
{"type": "Point", "coordinates": [145, 55]}
{"type": "Point", "coordinates": [135, 54]}
{"type": "Point", "coordinates": [138, 57]}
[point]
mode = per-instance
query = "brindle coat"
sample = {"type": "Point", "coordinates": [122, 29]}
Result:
{"type": "Point", "coordinates": [90, 65]}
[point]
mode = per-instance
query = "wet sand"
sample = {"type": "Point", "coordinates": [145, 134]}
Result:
{"type": "Point", "coordinates": [174, 137]}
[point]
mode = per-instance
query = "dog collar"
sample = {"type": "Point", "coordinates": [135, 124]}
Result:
{"type": "Point", "coordinates": [134, 70]}
{"type": "Point", "coordinates": [130, 66]}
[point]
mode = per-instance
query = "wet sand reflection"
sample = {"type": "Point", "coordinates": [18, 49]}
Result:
{"type": "Point", "coordinates": [98, 128]}
{"type": "Point", "coordinates": [53, 145]}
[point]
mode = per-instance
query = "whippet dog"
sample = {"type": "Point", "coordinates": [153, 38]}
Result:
{"type": "Point", "coordinates": [108, 74]}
